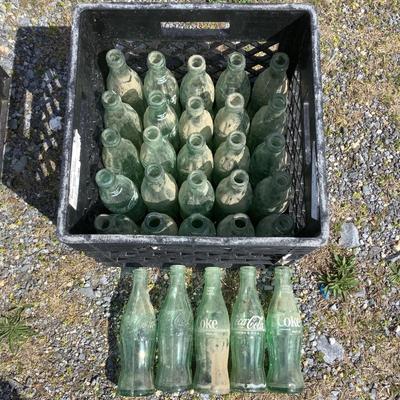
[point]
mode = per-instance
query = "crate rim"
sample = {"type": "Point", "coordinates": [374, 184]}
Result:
{"type": "Point", "coordinates": [155, 241]}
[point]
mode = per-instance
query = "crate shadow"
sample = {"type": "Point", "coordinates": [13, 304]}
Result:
{"type": "Point", "coordinates": [8, 391]}
{"type": "Point", "coordinates": [36, 114]}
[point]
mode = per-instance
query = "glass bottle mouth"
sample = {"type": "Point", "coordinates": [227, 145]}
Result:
{"type": "Point", "coordinates": [157, 99]}
{"type": "Point", "coordinates": [110, 137]}
{"type": "Point", "coordinates": [276, 142]}
{"type": "Point", "coordinates": [237, 140]}
{"type": "Point", "coordinates": [239, 178]}
{"type": "Point", "coordinates": [213, 271]}
{"type": "Point", "coordinates": [284, 224]}
{"type": "Point", "coordinates": [110, 99]}
{"type": "Point", "coordinates": [140, 274]}
{"type": "Point", "coordinates": [197, 63]}
{"type": "Point", "coordinates": [235, 102]}
{"type": "Point", "coordinates": [197, 223]}
{"type": "Point", "coordinates": [115, 58]}
{"type": "Point", "coordinates": [154, 172]}
{"type": "Point", "coordinates": [154, 222]}
{"type": "Point", "coordinates": [105, 178]}
{"type": "Point", "coordinates": [280, 62]}
{"type": "Point", "coordinates": [196, 142]}
{"type": "Point", "coordinates": [156, 60]}
{"type": "Point", "coordinates": [102, 222]}
{"type": "Point", "coordinates": [236, 61]}
{"type": "Point", "coordinates": [177, 268]}
{"type": "Point", "coordinates": [278, 102]}
{"type": "Point", "coordinates": [197, 179]}
{"type": "Point", "coordinates": [248, 269]}
{"type": "Point", "coordinates": [195, 106]}
{"type": "Point", "coordinates": [281, 181]}
{"type": "Point", "coordinates": [240, 221]}
{"type": "Point", "coordinates": [152, 134]}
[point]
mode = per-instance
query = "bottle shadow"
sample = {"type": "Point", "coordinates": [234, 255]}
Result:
{"type": "Point", "coordinates": [8, 391]}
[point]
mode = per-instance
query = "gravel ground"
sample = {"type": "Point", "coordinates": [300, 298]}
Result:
{"type": "Point", "coordinates": [351, 347]}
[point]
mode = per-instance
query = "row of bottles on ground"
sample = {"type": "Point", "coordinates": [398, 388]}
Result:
{"type": "Point", "coordinates": [211, 338]}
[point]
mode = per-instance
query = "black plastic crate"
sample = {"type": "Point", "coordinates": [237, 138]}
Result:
{"type": "Point", "coordinates": [5, 82]}
{"type": "Point", "coordinates": [180, 30]}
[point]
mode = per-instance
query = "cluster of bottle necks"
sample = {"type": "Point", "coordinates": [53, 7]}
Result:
{"type": "Point", "coordinates": [167, 158]}
{"type": "Point", "coordinates": [211, 338]}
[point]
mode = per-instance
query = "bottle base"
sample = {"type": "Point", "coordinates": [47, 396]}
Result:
{"type": "Point", "coordinates": [179, 389]}
{"type": "Point", "coordinates": [281, 389]}
{"type": "Point", "coordinates": [135, 393]}
{"type": "Point", "coordinates": [247, 389]}
{"type": "Point", "coordinates": [211, 391]}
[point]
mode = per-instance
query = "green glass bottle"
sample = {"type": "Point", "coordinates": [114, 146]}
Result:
{"type": "Point", "coordinates": [233, 194]}
{"type": "Point", "coordinates": [120, 195]}
{"type": "Point", "coordinates": [276, 225]}
{"type": "Point", "coordinates": [122, 117]}
{"type": "Point", "coordinates": [196, 195]}
{"type": "Point", "coordinates": [160, 114]}
{"type": "Point", "coordinates": [233, 117]}
{"type": "Point", "coordinates": [195, 119]}
{"type": "Point", "coordinates": [159, 77]}
{"type": "Point", "coordinates": [247, 372]}
{"type": "Point", "coordinates": [120, 156]}
{"type": "Point", "coordinates": [284, 337]}
{"type": "Point", "coordinates": [157, 150]}
{"type": "Point", "coordinates": [159, 191]}
{"type": "Point", "coordinates": [268, 120]}
{"type": "Point", "coordinates": [194, 155]}
{"type": "Point", "coordinates": [233, 80]}
{"type": "Point", "coordinates": [272, 80]}
{"type": "Point", "coordinates": [158, 224]}
{"type": "Point", "coordinates": [230, 155]}
{"type": "Point", "coordinates": [211, 338]}
{"type": "Point", "coordinates": [124, 81]}
{"type": "Point", "coordinates": [137, 340]}
{"type": "Point", "coordinates": [197, 82]}
{"type": "Point", "coordinates": [236, 225]}
{"type": "Point", "coordinates": [268, 157]}
{"type": "Point", "coordinates": [115, 224]}
{"type": "Point", "coordinates": [175, 336]}
{"type": "Point", "coordinates": [197, 225]}
{"type": "Point", "coordinates": [271, 195]}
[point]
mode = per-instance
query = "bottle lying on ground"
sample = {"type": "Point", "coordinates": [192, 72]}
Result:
{"type": "Point", "coordinates": [158, 224]}
{"type": "Point", "coordinates": [197, 225]}
{"type": "Point", "coordinates": [238, 225]}
{"type": "Point", "coordinates": [115, 224]}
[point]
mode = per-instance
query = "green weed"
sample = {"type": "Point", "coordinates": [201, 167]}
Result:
{"type": "Point", "coordinates": [394, 276]}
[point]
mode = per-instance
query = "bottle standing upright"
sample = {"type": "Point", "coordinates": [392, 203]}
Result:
{"type": "Point", "coordinates": [211, 337]}
{"type": "Point", "coordinates": [284, 337]}
{"type": "Point", "coordinates": [247, 336]}
{"type": "Point", "coordinates": [175, 336]}
{"type": "Point", "coordinates": [137, 340]}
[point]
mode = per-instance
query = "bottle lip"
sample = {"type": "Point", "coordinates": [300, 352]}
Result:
{"type": "Point", "coordinates": [213, 271]}
{"type": "Point", "coordinates": [110, 99]}
{"type": "Point", "coordinates": [197, 222]}
{"type": "Point", "coordinates": [280, 62]}
{"type": "Point", "coordinates": [154, 172]}
{"type": "Point", "coordinates": [152, 134]}
{"type": "Point", "coordinates": [157, 99]}
{"type": "Point", "coordinates": [195, 106]}
{"type": "Point", "coordinates": [239, 178]}
{"type": "Point", "coordinates": [282, 271]}
{"type": "Point", "coordinates": [197, 178]}
{"type": "Point", "coordinates": [115, 58]}
{"type": "Point", "coordinates": [236, 61]}
{"type": "Point", "coordinates": [154, 221]}
{"type": "Point", "coordinates": [197, 63]}
{"type": "Point", "coordinates": [284, 223]}
{"type": "Point", "coordinates": [240, 221]}
{"type": "Point", "coordinates": [276, 142]}
{"type": "Point", "coordinates": [102, 222]}
{"type": "Point", "coordinates": [105, 178]}
{"type": "Point", "coordinates": [235, 102]}
{"type": "Point", "coordinates": [237, 140]}
{"type": "Point", "coordinates": [196, 142]}
{"type": "Point", "coordinates": [156, 60]}
{"type": "Point", "coordinates": [278, 102]}
{"type": "Point", "coordinates": [110, 137]}
{"type": "Point", "coordinates": [140, 273]}
{"type": "Point", "coordinates": [177, 268]}
{"type": "Point", "coordinates": [282, 181]}
{"type": "Point", "coordinates": [248, 269]}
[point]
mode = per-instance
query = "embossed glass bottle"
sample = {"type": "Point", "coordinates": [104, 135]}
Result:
{"type": "Point", "coordinates": [120, 195]}
{"type": "Point", "coordinates": [194, 155]}
{"type": "Point", "coordinates": [284, 337]}
{"type": "Point", "coordinates": [231, 154]}
{"type": "Point", "coordinates": [195, 119]}
{"type": "Point", "coordinates": [238, 225]}
{"type": "Point", "coordinates": [115, 224]}
{"type": "Point", "coordinates": [137, 340]}
{"type": "Point", "coordinates": [233, 117]}
{"type": "Point", "coordinates": [157, 150]}
{"type": "Point", "coordinates": [122, 117]}
{"type": "Point", "coordinates": [197, 225]}
{"type": "Point", "coordinates": [211, 337]}
{"type": "Point", "coordinates": [124, 81]}
{"type": "Point", "coordinates": [233, 194]}
{"type": "Point", "coordinates": [159, 77]}
{"type": "Point", "coordinates": [158, 224]}
{"type": "Point", "coordinates": [272, 80]}
{"type": "Point", "coordinates": [247, 336]}
{"type": "Point", "coordinates": [276, 225]}
{"type": "Point", "coordinates": [160, 114]}
{"type": "Point", "coordinates": [233, 80]}
{"type": "Point", "coordinates": [120, 156]}
{"type": "Point", "coordinates": [268, 120]}
{"type": "Point", "coordinates": [159, 191]}
{"type": "Point", "coordinates": [196, 195]}
{"type": "Point", "coordinates": [175, 336]}
{"type": "Point", "coordinates": [268, 157]}
{"type": "Point", "coordinates": [197, 82]}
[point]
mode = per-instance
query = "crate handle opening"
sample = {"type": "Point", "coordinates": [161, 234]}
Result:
{"type": "Point", "coordinates": [195, 25]}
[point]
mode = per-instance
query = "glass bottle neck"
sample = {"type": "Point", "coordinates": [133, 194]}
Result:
{"type": "Point", "coordinates": [238, 182]}
{"type": "Point", "coordinates": [139, 289]}
{"type": "Point", "coordinates": [121, 70]}
{"type": "Point", "coordinates": [247, 281]}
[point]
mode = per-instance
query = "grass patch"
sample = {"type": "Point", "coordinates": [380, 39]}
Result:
{"type": "Point", "coordinates": [394, 275]}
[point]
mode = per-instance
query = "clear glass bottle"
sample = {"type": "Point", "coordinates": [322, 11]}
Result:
{"type": "Point", "coordinates": [276, 225]}
{"type": "Point", "coordinates": [137, 340]}
{"type": "Point", "coordinates": [197, 225]}
{"type": "Point", "coordinates": [195, 119]}
{"type": "Point", "coordinates": [268, 157]}
{"type": "Point", "coordinates": [284, 337]}
{"type": "Point", "coordinates": [158, 224]}
{"type": "Point", "coordinates": [211, 338]}
{"type": "Point", "coordinates": [120, 195]}
{"type": "Point", "coordinates": [236, 225]}
{"type": "Point", "coordinates": [120, 156]}
{"type": "Point", "coordinates": [231, 154]}
{"type": "Point", "coordinates": [159, 191]}
{"type": "Point", "coordinates": [122, 117]}
{"type": "Point", "coordinates": [159, 77]}
{"type": "Point", "coordinates": [175, 336]}
{"type": "Point", "coordinates": [271, 81]}
{"type": "Point", "coordinates": [124, 81]}
{"type": "Point", "coordinates": [157, 150]}
{"type": "Point", "coordinates": [233, 117]}
{"type": "Point", "coordinates": [233, 194]}
{"type": "Point", "coordinates": [233, 80]}
{"type": "Point", "coordinates": [196, 195]}
{"type": "Point", "coordinates": [247, 336]}
{"type": "Point", "coordinates": [271, 195]}
{"type": "Point", "coordinates": [160, 114]}
{"type": "Point", "coordinates": [115, 224]}
{"type": "Point", "coordinates": [268, 120]}
{"type": "Point", "coordinates": [197, 82]}
{"type": "Point", "coordinates": [194, 155]}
